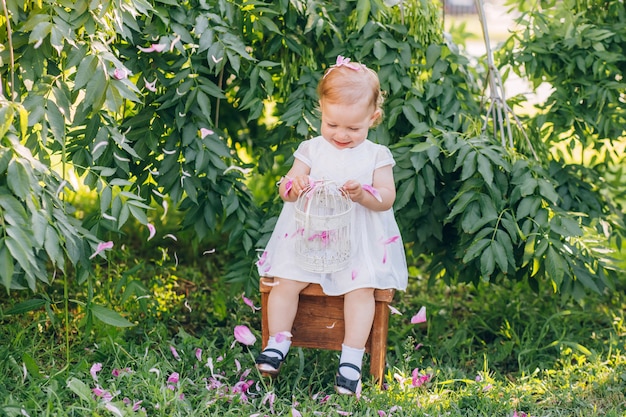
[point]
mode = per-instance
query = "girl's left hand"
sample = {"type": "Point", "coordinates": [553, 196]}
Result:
{"type": "Point", "coordinates": [354, 190]}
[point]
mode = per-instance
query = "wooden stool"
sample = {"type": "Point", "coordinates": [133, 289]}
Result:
{"type": "Point", "coordinates": [319, 323]}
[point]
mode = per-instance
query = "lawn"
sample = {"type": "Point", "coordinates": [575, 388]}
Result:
{"type": "Point", "coordinates": [487, 351]}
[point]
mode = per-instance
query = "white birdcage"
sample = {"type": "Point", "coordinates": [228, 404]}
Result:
{"type": "Point", "coordinates": [323, 213]}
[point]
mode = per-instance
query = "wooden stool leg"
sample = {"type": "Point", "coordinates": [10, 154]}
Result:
{"type": "Point", "coordinates": [378, 348]}
{"type": "Point", "coordinates": [265, 332]}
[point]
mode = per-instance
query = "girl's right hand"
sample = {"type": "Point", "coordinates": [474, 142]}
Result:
{"type": "Point", "coordinates": [299, 184]}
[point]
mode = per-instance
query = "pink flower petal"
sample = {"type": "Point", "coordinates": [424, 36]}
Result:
{"type": "Point", "coordinates": [151, 86]}
{"type": "Point", "coordinates": [113, 409]}
{"type": "Point", "coordinates": [394, 310]}
{"type": "Point", "coordinates": [95, 368]}
{"type": "Point", "coordinates": [262, 259]}
{"type": "Point", "coordinates": [173, 378]}
{"type": "Point", "coordinates": [354, 274]}
{"type": "Point", "coordinates": [282, 336]}
{"type": "Point", "coordinates": [119, 73]}
{"type": "Point", "coordinates": [152, 230]}
{"type": "Point", "coordinates": [420, 317]}
{"type": "Point", "coordinates": [392, 239]}
{"type": "Point", "coordinates": [175, 353]}
{"type": "Point", "coordinates": [137, 405]}
{"type": "Point", "coordinates": [373, 191]}
{"type": "Point", "coordinates": [419, 379]}
{"type": "Point", "coordinates": [295, 413]}
{"type": "Point", "coordinates": [102, 246]}
{"type": "Point", "coordinates": [205, 132]}
{"type": "Point", "coordinates": [288, 186]}
{"type": "Point", "coordinates": [117, 372]}
{"type": "Point", "coordinates": [155, 47]}
{"type": "Point", "coordinates": [244, 335]}
{"type": "Point", "coordinates": [101, 393]}
{"type": "Point", "coordinates": [199, 354]}
{"type": "Point", "coordinates": [249, 303]}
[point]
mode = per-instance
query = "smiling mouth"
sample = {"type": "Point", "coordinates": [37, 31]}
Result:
{"type": "Point", "coordinates": [342, 144]}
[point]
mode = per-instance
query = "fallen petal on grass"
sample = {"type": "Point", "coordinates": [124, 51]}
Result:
{"type": "Point", "coordinates": [244, 335]}
{"type": "Point", "coordinates": [420, 317]}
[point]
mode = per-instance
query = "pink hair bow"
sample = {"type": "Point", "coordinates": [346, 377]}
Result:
{"type": "Point", "coordinates": [345, 62]}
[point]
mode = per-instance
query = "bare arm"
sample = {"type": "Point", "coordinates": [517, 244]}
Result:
{"type": "Point", "coordinates": [384, 186]}
{"type": "Point", "coordinates": [296, 180]}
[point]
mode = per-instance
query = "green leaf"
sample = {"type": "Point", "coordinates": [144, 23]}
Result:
{"type": "Point", "coordinates": [472, 218]}
{"type": "Point", "coordinates": [138, 213]}
{"type": "Point", "coordinates": [6, 265]}
{"type": "Point", "coordinates": [487, 262]}
{"type": "Point", "coordinates": [14, 212]}
{"type": "Point", "coordinates": [85, 71]}
{"type": "Point", "coordinates": [363, 8]}
{"type": "Point", "coordinates": [571, 226]}
{"type": "Point", "coordinates": [109, 316]}
{"type": "Point", "coordinates": [528, 186]}
{"type": "Point", "coordinates": [411, 115]}
{"type": "Point", "coordinates": [26, 306]}
{"type": "Point", "coordinates": [500, 255]}
{"type": "Point", "coordinates": [39, 32]}
{"type": "Point", "coordinates": [485, 168]}
{"type": "Point", "coordinates": [469, 166]}
{"type": "Point", "coordinates": [529, 250]}
{"type": "Point", "coordinates": [433, 53]}
{"type": "Point", "coordinates": [53, 247]}
{"type": "Point", "coordinates": [31, 365]}
{"type": "Point", "coordinates": [475, 249]}
{"type": "Point", "coordinates": [528, 207]}
{"type": "Point", "coordinates": [95, 91]}
{"type": "Point", "coordinates": [81, 389]}
{"type": "Point", "coordinates": [38, 226]}
{"type": "Point", "coordinates": [205, 104]}
{"type": "Point", "coordinates": [462, 201]}
{"type": "Point", "coordinates": [547, 191]}
{"type": "Point", "coordinates": [18, 179]}
{"type": "Point", "coordinates": [405, 192]}
{"type": "Point", "coordinates": [21, 250]}
{"type": "Point", "coordinates": [380, 50]}
{"type": "Point", "coordinates": [421, 147]}
{"type": "Point", "coordinates": [555, 266]}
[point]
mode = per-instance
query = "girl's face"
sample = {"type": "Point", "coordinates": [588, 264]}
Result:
{"type": "Point", "coordinates": [346, 125]}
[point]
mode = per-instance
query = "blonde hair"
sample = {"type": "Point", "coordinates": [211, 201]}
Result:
{"type": "Point", "coordinates": [351, 84]}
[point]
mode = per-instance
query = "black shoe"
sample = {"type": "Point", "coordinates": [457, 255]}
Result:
{"type": "Point", "coordinates": [269, 365]}
{"type": "Point", "coordinates": [345, 386]}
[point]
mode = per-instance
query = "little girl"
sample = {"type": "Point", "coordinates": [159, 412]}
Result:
{"type": "Point", "coordinates": [350, 102]}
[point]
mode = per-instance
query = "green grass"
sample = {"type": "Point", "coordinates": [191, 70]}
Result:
{"type": "Point", "coordinates": [489, 351]}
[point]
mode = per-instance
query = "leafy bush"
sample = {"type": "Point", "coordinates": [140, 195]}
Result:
{"type": "Point", "coordinates": [166, 104]}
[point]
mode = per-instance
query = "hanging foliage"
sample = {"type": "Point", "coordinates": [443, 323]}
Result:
{"type": "Point", "coordinates": [200, 104]}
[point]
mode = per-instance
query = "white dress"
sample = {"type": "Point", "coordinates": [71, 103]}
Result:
{"type": "Point", "coordinates": [377, 253]}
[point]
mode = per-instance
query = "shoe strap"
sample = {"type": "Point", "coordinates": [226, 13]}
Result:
{"type": "Point", "coordinates": [349, 365]}
{"type": "Point", "coordinates": [281, 358]}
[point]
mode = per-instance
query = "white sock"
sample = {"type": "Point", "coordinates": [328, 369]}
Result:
{"type": "Point", "coordinates": [353, 356]}
{"type": "Point", "coordinates": [282, 346]}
